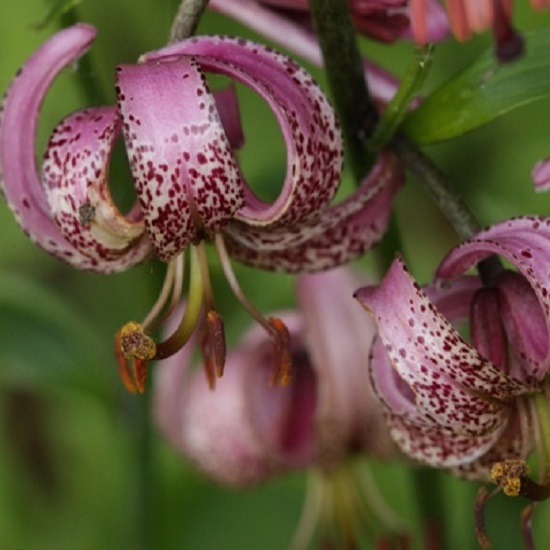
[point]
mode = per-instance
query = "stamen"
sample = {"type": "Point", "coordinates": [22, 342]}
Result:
{"type": "Point", "coordinates": [512, 476]}
{"type": "Point", "coordinates": [133, 345]}
{"type": "Point", "coordinates": [213, 347]}
{"type": "Point", "coordinates": [282, 369]}
{"type": "Point", "coordinates": [275, 327]}
{"type": "Point", "coordinates": [163, 296]}
{"type": "Point", "coordinates": [191, 316]}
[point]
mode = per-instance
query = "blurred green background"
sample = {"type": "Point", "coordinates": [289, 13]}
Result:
{"type": "Point", "coordinates": [80, 469]}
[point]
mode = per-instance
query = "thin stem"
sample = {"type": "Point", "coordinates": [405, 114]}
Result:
{"type": "Point", "coordinates": [344, 70]}
{"type": "Point", "coordinates": [186, 20]}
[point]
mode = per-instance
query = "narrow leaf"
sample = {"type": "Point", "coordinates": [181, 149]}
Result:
{"type": "Point", "coordinates": [483, 91]}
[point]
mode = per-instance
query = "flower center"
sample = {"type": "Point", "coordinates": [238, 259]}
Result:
{"type": "Point", "coordinates": [134, 346]}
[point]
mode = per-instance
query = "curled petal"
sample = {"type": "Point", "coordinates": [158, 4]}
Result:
{"type": "Point", "coordinates": [541, 175]}
{"type": "Point", "coordinates": [75, 182]}
{"type": "Point", "coordinates": [432, 357]}
{"type": "Point", "coordinates": [307, 121]}
{"type": "Point", "coordinates": [187, 178]}
{"type": "Point", "coordinates": [335, 236]}
{"type": "Point", "coordinates": [525, 243]}
{"type": "Point", "coordinates": [20, 180]}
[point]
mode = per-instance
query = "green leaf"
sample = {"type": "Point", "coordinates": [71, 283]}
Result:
{"type": "Point", "coordinates": [483, 91]}
{"type": "Point", "coordinates": [57, 9]}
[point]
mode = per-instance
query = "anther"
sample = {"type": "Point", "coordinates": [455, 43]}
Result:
{"type": "Point", "coordinates": [133, 346]}
{"type": "Point", "coordinates": [213, 347]}
{"type": "Point", "coordinates": [282, 370]}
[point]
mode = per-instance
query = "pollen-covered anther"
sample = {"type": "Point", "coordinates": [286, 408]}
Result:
{"type": "Point", "coordinates": [213, 347]}
{"type": "Point", "coordinates": [282, 369]}
{"type": "Point", "coordinates": [133, 347]}
{"type": "Point", "coordinates": [509, 474]}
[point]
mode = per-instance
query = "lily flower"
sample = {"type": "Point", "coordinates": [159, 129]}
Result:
{"type": "Point", "coordinates": [180, 142]}
{"type": "Point", "coordinates": [247, 431]}
{"type": "Point", "coordinates": [287, 23]}
{"type": "Point", "coordinates": [470, 407]}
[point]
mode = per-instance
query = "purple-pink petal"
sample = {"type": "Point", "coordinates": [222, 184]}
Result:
{"type": "Point", "coordinates": [19, 176]}
{"type": "Point", "coordinates": [427, 351]}
{"type": "Point", "coordinates": [187, 178]}
{"type": "Point", "coordinates": [300, 40]}
{"type": "Point", "coordinates": [525, 243]}
{"type": "Point", "coordinates": [75, 172]}
{"type": "Point", "coordinates": [334, 237]}
{"type": "Point", "coordinates": [541, 175]}
{"type": "Point", "coordinates": [306, 119]}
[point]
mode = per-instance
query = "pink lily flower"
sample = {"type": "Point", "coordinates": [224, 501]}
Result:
{"type": "Point", "coordinates": [180, 140]}
{"type": "Point", "coordinates": [248, 431]}
{"type": "Point", "coordinates": [459, 405]}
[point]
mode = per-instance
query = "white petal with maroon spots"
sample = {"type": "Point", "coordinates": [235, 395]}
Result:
{"type": "Point", "coordinates": [307, 121]}
{"type": "Point", "coordinates": [75, 181]}
{"type": "Point", "coordinates": [187, 179]}
{"type": "Point", "coordinates": [525, 242]}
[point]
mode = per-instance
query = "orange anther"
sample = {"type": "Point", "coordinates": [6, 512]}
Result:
{"type": "Point", "coordinates": [282, 370]}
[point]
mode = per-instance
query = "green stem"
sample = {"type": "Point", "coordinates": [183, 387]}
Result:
{"type": "Point", "coordinates": [345, 74]}
{"type": "Point", "coordinates": [187, 19]}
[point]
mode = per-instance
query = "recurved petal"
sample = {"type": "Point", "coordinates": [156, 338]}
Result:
{"type": "Point", "coordinates": [187, 178]}
{"type": "Point", "coordinates": [75, 172]}
{"type": "Point", "coordinates": [334, 237]}
{"type": "Point", "coordinates": [429, 354]}
{"type": "Point", "coordinates": [525, 243]}
{"type": "Point", "coordinates": [19, 178]}
{"type": "Point", "coordinates": [306, 119]}
{"type": "Point", "coordinates": [440, 446]}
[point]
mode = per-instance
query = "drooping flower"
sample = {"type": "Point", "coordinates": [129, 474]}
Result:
{"type": "Point", "coordinates": [470, 407]}
{"type": "Point", "coordinates": [247, 431]}
{"type": "Point", "coordinates": [287, 23]}
{"type": "Point", "coordinates": [180, 139]}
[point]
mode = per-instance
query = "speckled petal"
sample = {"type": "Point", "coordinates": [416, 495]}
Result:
{"type": "Point", "coordinates": [187, 179]}
{"type": "Point", "coordinates": [19, 177]}
{"type": "Point", "coordinates": [525, 243]}
{"type": "Point", "coordinates": [75, 179]}
{"type": "Point", "coordinates": [306, 119]}
{"type": "Point", "coordinates": [440, 446]}
{"type": "Point", "coordinates": [334, 237]}
{"type": "Point", "coordinates": [447, 375]}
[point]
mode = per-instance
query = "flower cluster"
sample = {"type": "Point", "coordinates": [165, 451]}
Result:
{"type": "Point", "coordinates": [452, 375]}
